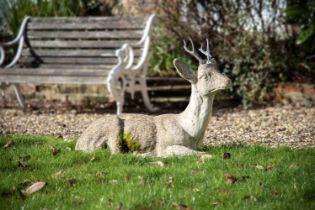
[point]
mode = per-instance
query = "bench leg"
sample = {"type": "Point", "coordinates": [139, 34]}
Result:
{"type": "Point", "coordinates": [117, 94]}
{"type": "Point", "coordinates": [2, 88]}
{"type": "Point", "coordinates": [119, 107]}
{"type": "Point", "coordinates": [145, 95]}
{"type": "Point", "coordinates": [19, 96]}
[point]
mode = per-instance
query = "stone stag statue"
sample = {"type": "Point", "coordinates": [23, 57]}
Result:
{"type": "Point", "coordinates": [167, 134]}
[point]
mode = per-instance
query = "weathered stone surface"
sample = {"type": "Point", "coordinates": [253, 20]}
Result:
{"type": "Point", "coordinates": [102, 133]}
{"type": "Point", "coordinates": [168, 134]}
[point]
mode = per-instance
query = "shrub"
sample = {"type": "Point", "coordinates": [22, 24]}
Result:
{"type": "Point", "coordinates": [302, 13]}
{"type": "Point", "coordinates": [15, 10]}
{"type": "Point", "coordinates": [164, 50]}
{"type": "Point", "coordinates": [254, 49]}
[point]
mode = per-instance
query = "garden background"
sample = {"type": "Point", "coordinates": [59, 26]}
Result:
{"type": "Point", "coordinates": [258, 146]}
{"type": "Point", "coordinates": [265, 47]}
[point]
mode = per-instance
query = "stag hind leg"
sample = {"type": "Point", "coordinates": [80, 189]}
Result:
{"type": "Point", "coordinates": [105, 132]}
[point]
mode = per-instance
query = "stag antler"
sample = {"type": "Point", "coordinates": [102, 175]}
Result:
{"type": "Point", "coordinates": [206, 52]}
{"type": "Point", "coordinates": [193, 52]}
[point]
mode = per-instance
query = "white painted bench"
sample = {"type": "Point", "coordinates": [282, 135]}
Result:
{"type": "Point", "coordinates": [81, 50]}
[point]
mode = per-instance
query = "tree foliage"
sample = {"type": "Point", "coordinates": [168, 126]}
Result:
{"type": "Point", "coordinates": [302, 14]}
{"type": "Point", "coordinates": [14, 11]}
{"type": "Point", "coordinates": [249, 38]}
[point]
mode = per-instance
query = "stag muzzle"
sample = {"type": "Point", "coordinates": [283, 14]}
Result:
{"type": "Point", "coordinates": [223, 82]}
{"type": "Point", "coordinates": [219, 82]}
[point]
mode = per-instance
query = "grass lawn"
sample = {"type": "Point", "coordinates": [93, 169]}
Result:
{"type": "Point", "coordinates": [252, 178]}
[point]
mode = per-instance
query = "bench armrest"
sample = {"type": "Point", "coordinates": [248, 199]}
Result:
{"type": "Point", "coordinates": [146, 31]}
{"type": "Point", "coordinates": [19, 39]}
{"type": "Point", "coordinates": [145, 41]}
{"type": "Point", "coordinates": [126, 54]}
{"type": "Point", "coordinates": [126, 67]}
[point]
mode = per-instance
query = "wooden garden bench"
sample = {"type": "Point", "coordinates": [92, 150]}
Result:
{"type": "Point", "coordinates": [81, 50]}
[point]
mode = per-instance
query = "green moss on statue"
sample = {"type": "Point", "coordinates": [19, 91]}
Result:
{"type": "Point", "coordinates": [129, 144]}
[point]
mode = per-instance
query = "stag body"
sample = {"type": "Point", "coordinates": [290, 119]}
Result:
{"type": "Point", "coordinates": [168, 134]}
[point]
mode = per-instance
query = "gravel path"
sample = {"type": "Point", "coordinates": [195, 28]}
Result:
{"type": "Point", "coordinates": [271, 126]}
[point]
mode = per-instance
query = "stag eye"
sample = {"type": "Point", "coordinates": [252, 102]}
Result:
{"type": "Point", "coordinates": [207, 76]}
{"type": "Point", "coordinates": [204, 77]}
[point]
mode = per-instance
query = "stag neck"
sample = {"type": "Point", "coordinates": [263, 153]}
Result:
{"type": "Point", "coordinates": [195, 118]}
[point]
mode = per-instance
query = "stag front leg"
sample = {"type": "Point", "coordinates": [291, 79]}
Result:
{"type": "Point", "coordinates": [178, 150]}
{"type": "Point", "coordinates": [147, 154]}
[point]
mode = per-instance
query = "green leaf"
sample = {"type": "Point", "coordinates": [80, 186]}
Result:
{"type": "Point", "coordinates": [305, 35]}
{"type": "Point", "coordinates": [296, 11]}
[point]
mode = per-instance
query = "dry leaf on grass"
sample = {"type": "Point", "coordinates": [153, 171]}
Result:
{"type": "Point", "coordinates": [230, 179]}
{"type": "Point", "coordinates": [276, 193]}
{"type": "Point", "coordinates": [265, 168]}
{"type": "Point", "coordinates": [217, 203]}
{"type": "Point", "coordinates": [120, 207]}
{"type": "Point", "coordinates": [224, 192]}
{"type": "Point", "coordinates": [34, 188]}
{"type": "Point", "coordinates": [250, 198]}
{"type": "Point", "coordinates": [205, 156]}
{"type": "Point", "coordinates": [72, 182]}
{"type": "Point", "coordinates": [24, 157]}
{"type": "Point", "coordinates": [182, 207]}
{"type": "Point", "coordinates": [77, 200]}
{"type": "Point", "coordinates": [113, 181]}
{"type": "Point", "coordinates": [144, 208]}
{"type": "Point", "coordinates": [157, 163]}
{"type": "Point", "coordinates": [260, 167]}
{"type": "Point", "coordinates": [58, 174]}
{"type": "Point", "coordinates": [268, 167]}
{"type": "Point", "coordinates": [226, 155]}
{"type": "Point", "coordinates": [21, 164]}
{"type": "Point", "coordinates": [196, 189]}
{"type": "Point", "coordinates": [93, 158]}
{"type": "Point", "coordinates": [169, 182]}
{"type": "Point", "coordinates": [101, 173]}
{"type": "Point", "coordinates": [55, 151]}
{"type": "Point", "coordinates": [244, 178]}
{"type": "Point", "coordinates": [8, 144]}
{"type": "Point", "coordinates": [198, 171]}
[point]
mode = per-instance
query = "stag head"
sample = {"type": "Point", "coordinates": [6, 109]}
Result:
{"type": "Point", "coordinates": [207, 79]}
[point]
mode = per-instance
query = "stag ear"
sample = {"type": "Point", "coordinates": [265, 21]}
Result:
{"type": "Point", "coordinates": [185, 71]}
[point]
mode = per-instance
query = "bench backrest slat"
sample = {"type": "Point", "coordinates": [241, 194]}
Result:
{"type": "Point", "coordinates": [81, 40]}
{"type": "Point", "coordinates": [59, 60]}
{"type": "Point", "coordinates": [71, 60]}
{"type": "Point", "coordinates": [136, 34]}
{"type": "Point", "coordinates": [56, 71]}
{"type": "Point", "coordinates": [74, 66]}
{"type": "Point", "coordinates": [78, 44]}
{"type": "Point", "coordinates": [56, 79]}
{"type": "Point", "coordinates": [77, 53]}
{"type": "Point", "coordinates": [84, 23]}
